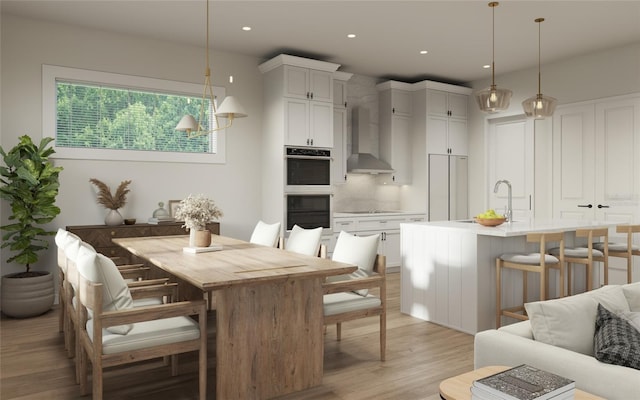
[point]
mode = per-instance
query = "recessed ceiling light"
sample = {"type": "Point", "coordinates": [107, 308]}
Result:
{"type": "Point", "coordinates": [351, 35]}
{"type": "Point", "coordinates": [246, 28]}
{"type": "Point", "coordinates": [486, 66]}
{"type": "Point", "coordinates": [423, 51]}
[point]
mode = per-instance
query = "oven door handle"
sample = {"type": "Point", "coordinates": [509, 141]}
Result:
{"type": "Point", "coordinates": [310, 157]}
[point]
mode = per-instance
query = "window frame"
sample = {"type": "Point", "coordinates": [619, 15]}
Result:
{"type": "Point", "coordinates": [52, 73]}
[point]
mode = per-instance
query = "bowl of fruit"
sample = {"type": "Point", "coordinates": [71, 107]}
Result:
{"type": "Point", "coordinates": [490, 218]}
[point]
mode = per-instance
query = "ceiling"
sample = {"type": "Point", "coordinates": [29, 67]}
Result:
{"type": "Point", "coordinates": [390, 34]}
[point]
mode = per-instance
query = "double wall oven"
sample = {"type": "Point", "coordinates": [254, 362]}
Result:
{"type": "Point", "coordinates": [308, 194]}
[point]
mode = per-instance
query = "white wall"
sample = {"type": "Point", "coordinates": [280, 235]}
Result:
{"type": "Point", "coordinates": [603, 74]}
{"type": "Point", "coordinates": [235, 186]}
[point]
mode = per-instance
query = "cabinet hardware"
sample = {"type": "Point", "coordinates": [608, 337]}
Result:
{"type": "Point", "coordinates": [393, 110]}
{"type": "Point", "coordinates": [345, 177]}
{"type": "Point", "coordinates": [601, 206]}
{"type": "Point", "coordinates": [311, 95]}
{"type": "Point", "coordinates": [345, 104]}
{"type": "Point", "coordinates": [585, 205]}
{"type": "Point", "coordinates": [113, 233]}
{"type": "Point", "coordinates": [308, 95]}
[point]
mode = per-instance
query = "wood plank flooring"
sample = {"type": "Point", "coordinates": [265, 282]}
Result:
{"type": "Point", "coordinates": [33, 363]}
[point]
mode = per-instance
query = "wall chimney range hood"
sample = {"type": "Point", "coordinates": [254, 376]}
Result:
{"type": "Point", "coordinates": [362, 161]}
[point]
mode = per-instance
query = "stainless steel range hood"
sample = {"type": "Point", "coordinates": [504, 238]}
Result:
{"type": "Point", "coordinates": [362, 161]}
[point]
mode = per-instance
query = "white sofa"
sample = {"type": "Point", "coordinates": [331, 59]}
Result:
{"type": "Point", "coordinates": [559, 338]}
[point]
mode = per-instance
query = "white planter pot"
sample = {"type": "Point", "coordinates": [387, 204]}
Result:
{"type": "Point", "coordinates": [27, 297]}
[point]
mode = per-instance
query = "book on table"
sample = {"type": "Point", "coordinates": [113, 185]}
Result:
{"type": "Point", "coordinates": [523, 382]}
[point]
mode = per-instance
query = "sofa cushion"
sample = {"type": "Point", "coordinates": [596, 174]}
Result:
{"type": "Point", "coordinates": [616, 341]}
{"type": "Point", "coordinates": [633, 317]}
{"type": "Point", "coordinates": [569, 322]}
{"type": "Point", "coordinates": [632, 293]}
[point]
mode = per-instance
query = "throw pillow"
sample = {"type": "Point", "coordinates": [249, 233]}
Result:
{"type": "Point", "coordinates": [304, 241]}
{"type": "Point", "coordinates": [616, 341]}
{"type": "Point", "coordinates": [357, 250]}
{"type": "Point", "coordinates": [632, 317]}
{"type": "Point", "coordinates": [632, 293]}
{"type": "Point", "coordinates": [98, 268]}
{"type": "Point", "coordinates": [569, 322]}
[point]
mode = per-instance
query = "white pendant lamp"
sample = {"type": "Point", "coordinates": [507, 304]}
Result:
{"type": "Point", "coordinates": [539, 106]}
{"type": "Point", "coordinates": [493, 99]}
{"type": "Point", "coordinates": [229, 109]}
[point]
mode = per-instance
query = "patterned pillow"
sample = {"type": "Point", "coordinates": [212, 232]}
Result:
{"type": "Point", "coordinates": [616, 341]}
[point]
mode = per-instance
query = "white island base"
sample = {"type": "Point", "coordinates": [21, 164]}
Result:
{"type": "Point", "coordinates": [448, 270]}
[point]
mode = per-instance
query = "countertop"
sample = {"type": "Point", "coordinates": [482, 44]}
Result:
{"type": "Point", "coordinates": [376, 213]}
{"type": "Point", "coordinates": [516, 228]}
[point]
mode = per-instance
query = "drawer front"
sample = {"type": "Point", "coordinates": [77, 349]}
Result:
{"type": "Point", "coordinates": [381, 224]}
{"type": "Point", "coordinates": [348, 225]}
{"type": "Point", "coordinates": [167, 230]}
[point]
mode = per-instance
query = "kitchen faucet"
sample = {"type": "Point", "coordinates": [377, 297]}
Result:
{"type": "Point", "coordinates": [509, 214]}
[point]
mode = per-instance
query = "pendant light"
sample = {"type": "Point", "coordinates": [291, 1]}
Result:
{"type": "Point", "coordinates": [539, 106]}
{"type": "Point", "coordinates": [493, 99]}
{"type": "Point", "coordinates": [229, 109]}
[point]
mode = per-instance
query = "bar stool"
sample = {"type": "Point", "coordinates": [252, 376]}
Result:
{"type": "Point", "coordinates": [529, 262]}
{"type": "Point", "coordinates": [623, 250]}
{"type": "Point", "coordinates": [586, 255]}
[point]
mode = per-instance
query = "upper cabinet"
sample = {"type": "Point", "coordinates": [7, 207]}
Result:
{"type": "Point", "coordinates": [446, 120]}
{"type": "Point", "coordinates": [300, 90]}
{"type": "Point", "coordinates": [395, 109]}
{"type": "Point", "coordinates": [340, 153]}
{"type": "Point", "coordinates": [340, 89]}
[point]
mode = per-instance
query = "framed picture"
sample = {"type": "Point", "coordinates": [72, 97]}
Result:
{"type": "Point", "coordinates": [173, 207]}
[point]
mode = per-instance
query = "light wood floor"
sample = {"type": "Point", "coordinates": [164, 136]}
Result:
{"type": "Point", "coordinates": [33, 364]}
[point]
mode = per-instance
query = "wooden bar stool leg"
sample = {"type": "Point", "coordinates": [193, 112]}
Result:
{"type": "Point", "coordinates": [589, 269]}
{"type": "Point", "coordinates": [498, 292]}
{"type": "Point", "coordinates": [525, 288]}
{"type": "Point", "coordinates": [569, 279]}
{"type": "Point", "coordinates": [561, 267]}
{"type": "Point", "coordinates": [543, 285]}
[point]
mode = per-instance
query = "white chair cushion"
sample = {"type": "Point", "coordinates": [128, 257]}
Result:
{"type": "Point", "coordinates": [357, 250]}
{"type": "Point", "coordinates": [304, 241]}
{"type": "Point", "coordinates": [148, 334]}
{"type": "Point", "coordinates": [576, 252]}
{"type": "Point", "coordinates": [529, 258]}
{"type": "Point", "coordinates": [60, 240]}
{"type": "Point", "coordinates": [265, 234]}
{"type": "Point", "coordinates": [570, 322]}
{"type": "Point", "coordinates": [338, 303]}
{"type": "Point", "coordinates": [615, 246]}
{"type": "Point", "coordinates": [98, 268]}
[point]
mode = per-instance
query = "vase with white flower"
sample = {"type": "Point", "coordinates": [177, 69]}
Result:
{"type": "Point", "coordinates": [196, 212]}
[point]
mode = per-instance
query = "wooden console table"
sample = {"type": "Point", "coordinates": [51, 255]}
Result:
{"type": "Point", "coordinates": [100, 236]}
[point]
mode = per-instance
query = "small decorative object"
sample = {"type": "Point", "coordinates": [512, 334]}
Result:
{"type": "Point", "coordinates": [490, 218]}
{"type": "Point", "coordinates": [112, 202]}
{"type": "Point", "coordinates": [160, 215]}
{"type": "Point", "coordinates": [129, 221]}
{"type": "Point", "coordinates": [196, 212]}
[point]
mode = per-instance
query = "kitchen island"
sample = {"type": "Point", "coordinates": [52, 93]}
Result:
{"type": "Point", "coordinates": [448, 268]}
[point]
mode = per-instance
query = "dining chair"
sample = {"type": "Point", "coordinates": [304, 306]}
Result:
{"type": "Point", "coordinates": [304, 241]}
{"type": "Point", "coordinates": [538, 262]}
{"type": "Point", "coordinates": [586, 256]}
{"type": "Point", "coordinates": [623, 249]}
{"type": "Point", "coordinates": [266, 234]}
{"type": "Point", "coordinates": [347, 297]}
{"type": "Point", "coordinates": [113, 332]}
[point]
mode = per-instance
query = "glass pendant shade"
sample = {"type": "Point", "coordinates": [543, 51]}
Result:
{"type": "Point", "coordinates": [493, 99]}
{"type": "Point", "coordinates": [539, 106]}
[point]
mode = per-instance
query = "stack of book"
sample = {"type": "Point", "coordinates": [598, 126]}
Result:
{"type": "Point", "coordinates": [161, 220]}
{"type": "Point", "coordinates": [523, 382]}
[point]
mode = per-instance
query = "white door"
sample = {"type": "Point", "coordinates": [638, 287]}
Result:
{"type": "Point", "coordinates": [510, 157]}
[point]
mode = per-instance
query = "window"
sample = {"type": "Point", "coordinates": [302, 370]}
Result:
{"type": "Point", "coordinates": [98, 115]}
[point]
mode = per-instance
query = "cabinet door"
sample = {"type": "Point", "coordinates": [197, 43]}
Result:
{"type": "Point", "coordinates": [296, 82]}
{"type": "Point", "coordinates": [339, 94]}
{"type": "Point", "coordinates": [458, 105]}
{"type": "Point", "coordinates": [437, 141]}
{"type": "Point", "coordinates": [339, 162]}
{"type": "Point", "coordinates": [296, 122]}
{"type": "Point", "coordinates": [391, 248]}
{"type": "Point", "coordinates": [321, 124]}
{"type": "Point", "coordinates": [321, 86]}
{"type": "Point", "coordinates": [437, 103]}
{"type": "Point", "coordinates": [401, 102]}
{"type": "Point", "coordinates": [457, 137]}
{"type": "Point", "coordinates": [399, 151]}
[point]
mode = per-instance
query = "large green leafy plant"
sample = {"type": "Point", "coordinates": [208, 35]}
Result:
{"type": "Point", "coordinates": [30, 184]}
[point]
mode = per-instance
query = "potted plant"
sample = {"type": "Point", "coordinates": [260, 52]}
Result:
{"type": "Point", "coordinates": [196, 212]}
{"type": "Point", "coordinates": [30, 184]}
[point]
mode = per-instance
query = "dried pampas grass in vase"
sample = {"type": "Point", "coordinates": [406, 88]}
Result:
{"type": "Point", "coordinates": [112, 202]}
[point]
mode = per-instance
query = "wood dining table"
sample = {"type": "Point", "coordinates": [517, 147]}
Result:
{"type": "Point", "coordinates": [269, 311]}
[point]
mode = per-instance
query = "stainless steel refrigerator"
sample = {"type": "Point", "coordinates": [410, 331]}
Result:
{"type": "Point", "coordinates": [448, 189]}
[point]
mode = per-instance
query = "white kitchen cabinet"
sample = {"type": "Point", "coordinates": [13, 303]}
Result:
{"type": "Point", "coordinates": [308, 84]}
{"type": "Point", "coordinates": [308, 123]}
{"type": "Point", "coordinates": [340, 151]}
{"type": "Point", "coordinates": [446, 122]}
{"type": "Point", "coordinates": [395, 131]}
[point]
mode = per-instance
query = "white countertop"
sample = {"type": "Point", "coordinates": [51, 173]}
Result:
{"type": "Point", "coordinates": [516, 228]}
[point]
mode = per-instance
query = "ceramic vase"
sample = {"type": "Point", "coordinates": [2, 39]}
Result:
{"type": "Point", "coordinates": [24, 297]}
{"type": "Point", "coordinates": [113, 218]}
{"type": "Point", "coordinates": [199, 238]}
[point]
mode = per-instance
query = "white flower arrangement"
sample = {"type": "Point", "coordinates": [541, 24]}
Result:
{"type": "Point", "coordinates": [196, 211]}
